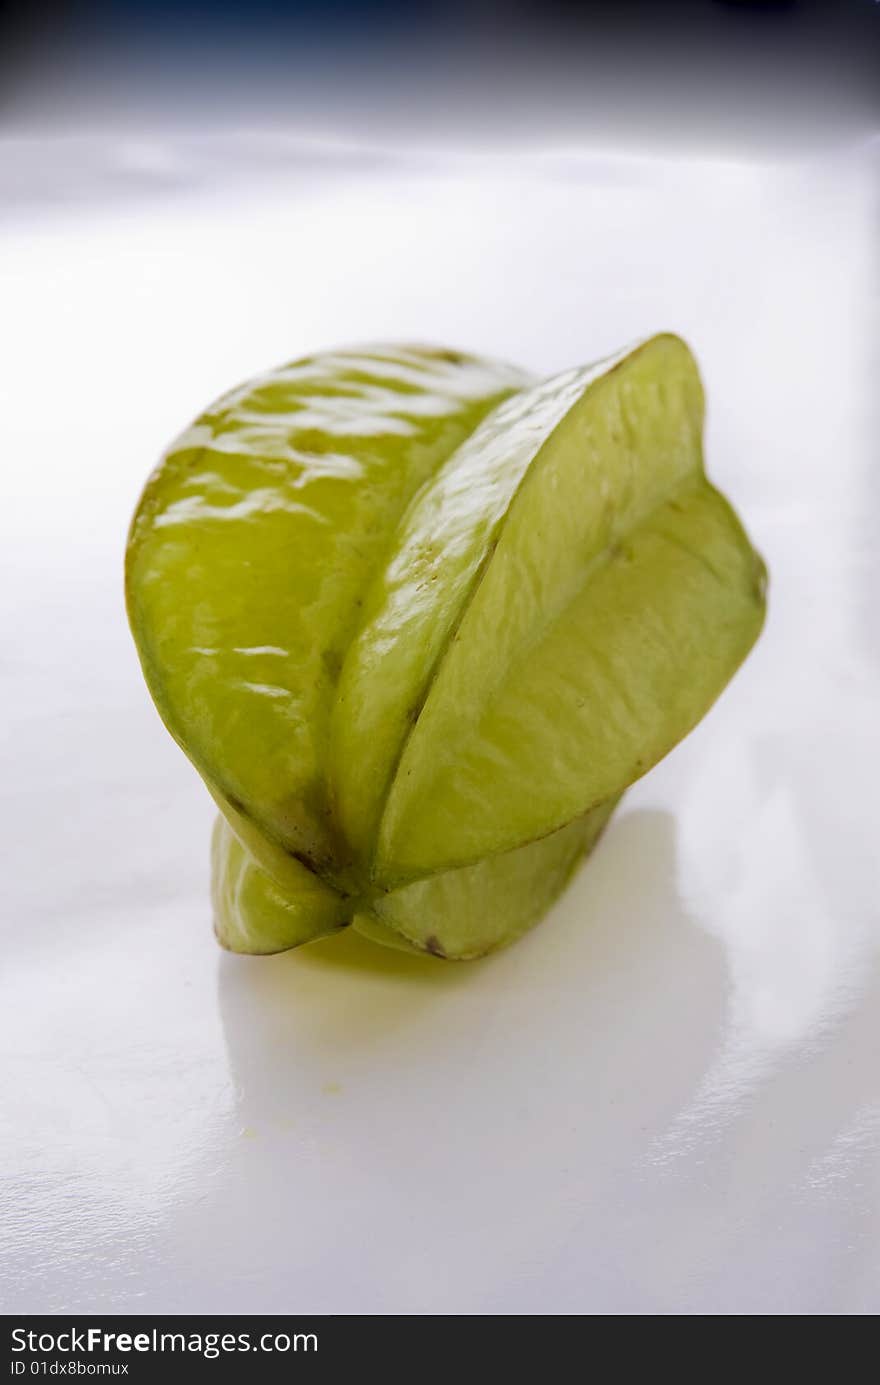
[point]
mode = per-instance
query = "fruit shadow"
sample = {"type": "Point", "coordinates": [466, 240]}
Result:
{"type": "Point", "coordinates": [302, 1018]}
{"type": "Point", "coordinates": [343, 990]}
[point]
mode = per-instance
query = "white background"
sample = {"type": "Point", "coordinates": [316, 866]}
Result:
{"type": "Point", "coordinates": [666, 1098]}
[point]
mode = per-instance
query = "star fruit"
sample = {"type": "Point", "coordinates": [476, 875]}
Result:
{"type": "Point", "coordinates": [419, 620]}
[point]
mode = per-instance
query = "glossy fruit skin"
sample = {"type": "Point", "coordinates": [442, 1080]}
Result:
{"type": "Point", "coordinates": [250, 552]}
{"type": "Point", "coordinates": [258, 912]}
{"type": "Point", "coordinates": [419, 621]}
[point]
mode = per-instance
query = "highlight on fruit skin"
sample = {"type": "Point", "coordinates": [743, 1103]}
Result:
{"type": "Point", "coordinates": [419, 620]}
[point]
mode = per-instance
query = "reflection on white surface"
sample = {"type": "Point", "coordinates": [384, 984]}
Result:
{"type": "Point", "coordinates": [665, 1098]}
{"type": "Point", "coordinates": [843, 1167]}
{"type": "Point", "coordinates": [799, 955]}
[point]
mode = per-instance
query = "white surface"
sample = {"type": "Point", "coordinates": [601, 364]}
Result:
{"type": "Point", "coordinates": [665, 1099]}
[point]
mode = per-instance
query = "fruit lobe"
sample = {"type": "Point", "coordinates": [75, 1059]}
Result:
{"type": "Point", "coordinates": [252, 547]}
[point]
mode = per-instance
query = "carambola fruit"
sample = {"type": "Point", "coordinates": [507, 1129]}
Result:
{"type": "Point", "coordinates": [419, 621]}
